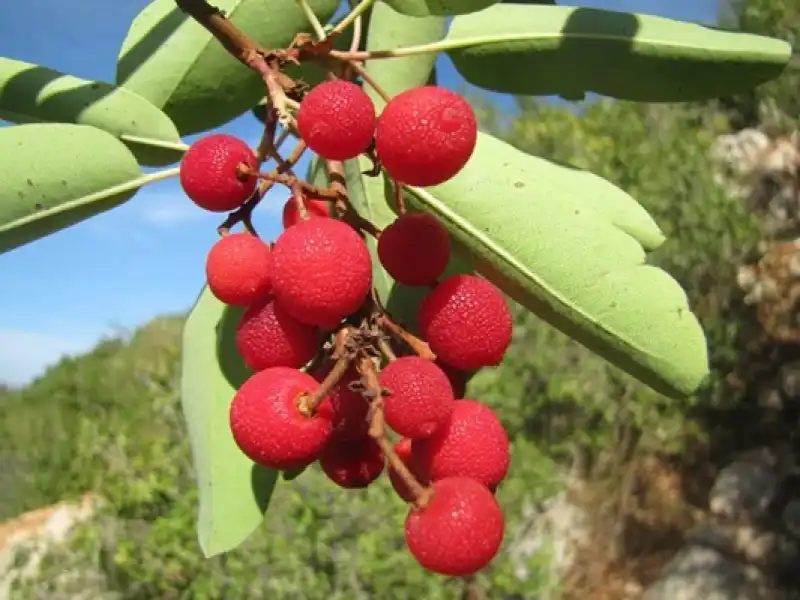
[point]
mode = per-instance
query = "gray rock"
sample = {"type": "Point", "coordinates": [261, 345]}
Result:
{"type": "Point", "coordinates": [744, 490]}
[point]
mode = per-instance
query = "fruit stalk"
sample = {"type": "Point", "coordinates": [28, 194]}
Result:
{"type": "Point", "coordinates": [416, 344]}
{"type": "Point", "coordinates": [308, 403]}
{"type": "Point", "coordinates": [377, 431]}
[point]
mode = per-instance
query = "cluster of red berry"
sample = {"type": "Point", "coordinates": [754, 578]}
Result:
{"type": "Point", "coordinates": [313, 398]}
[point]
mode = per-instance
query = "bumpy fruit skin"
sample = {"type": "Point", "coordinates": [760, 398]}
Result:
{"type": "Point", "coordinates": [421, 398]}
{"type": "Point", "coordinates": [336, 120]}
{"type": "Point", "coordinates": [209, 172]}
{"type": "Point", "coordinates": [473, 443]}
{"type": "Point", "coordinates": [426, 135]}
{"type": "Point", "coordinates": [321, 271]}
{"type": "Point", "coordinates": [467, 322]}
{"type": "Point", "coordinates": [403, 451]}
{"type": "Point", "coordinates": [353, 463]}
{"type": "Point", "coordinates": [459, 531]}
{"type": "Point", "coordinates": [267, 425]}
{"type": "Point", "coordinates": [414, 249]}
{"type": "Point", "coordinates": [349, 408]}
{"type": "Point", "coordinates": [314, 208]}
{"type": "Point", "coordinates": [267, 336]}
{"type": "Point", "coordinates": [238, 269]}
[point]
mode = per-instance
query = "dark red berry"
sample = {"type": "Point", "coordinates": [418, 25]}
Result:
{"type": "Point", "coordinates": [349, 408]}
{"type": "Point", "coordinates": [267, 336]}
{"type": "Point", "coordinates": [414, 249]}
{"type": "Point", "coordinates": [459, 531]}
{"type": "Point", "coordinates": [426, 135]}
{"type": "Point", "coordinates": [336, 120]}
{"type": "Point", "coordinates": [209, 172]}
{"type": "Point", "coordinates": [314, 208]}
{"type": "Point", "coordinates": [467, 322]}
{"type": "Point", "coordinates": [352, 463]}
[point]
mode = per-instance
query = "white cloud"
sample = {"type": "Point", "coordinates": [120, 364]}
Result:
{"type": "Point", "coordinates": [26, 354]}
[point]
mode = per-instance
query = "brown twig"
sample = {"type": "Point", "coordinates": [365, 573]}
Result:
{"type": "Point", "coordinates": [307, 403]}
{"type": "Point", "coordinates": [244, 213]}
{"type": "Point", "coordinates": [377, 431]}
{"type": "Point", "coordinates": [300, 202]}
{"type": "Point", "coordinates": [369, 79]}
{"type": "Point", "coordinates": [344, 210]}
{"type": "Point", "coordinates": [417, 345]}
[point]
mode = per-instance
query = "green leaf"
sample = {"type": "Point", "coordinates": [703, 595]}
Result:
{"type": "Point", "coordinates": [30, 93]}
{"type": "Point", "coordinates": [571, 262]}
{"type": "Point", "coordinates": [55, 175]}
{"type": "Point", "coordinates": [543, 50]}
{"type": "Point", "coordinates": [234, 492]}
{"type": "Point", "coordinates": [180, 67]}
{"type": "Point", "coordinates": [428, 8]}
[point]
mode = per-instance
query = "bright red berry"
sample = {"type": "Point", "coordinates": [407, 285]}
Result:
{"type": "Point", "coordinates": [414, 249]}
{"type": "Point", "coordinates": [349, 407]}
{"type": "Point", "coordinates": [403, 451]}
{"type": "Point", "coordinates": [321, 271]}
{"type": "Point", "coordinates": [459, 531]}
{"type": "Point", "coordinates": [426, 135]}
{"type": "Point", "coordinates": [473, 443]}
{"type": "Point", "coordinates": [238, 269]}
{"type": "Point", "coordinates": [420, 396]}
{"type": "Point", "coordinates": [314, 208]}
{"type": "Point", "coordinates": [210, 175]}
{"type": "Point", "coordinates": [267, 424]}
{"type": "Point", "coordinates": [267, 336]}
{"type": "Point", "coordinates": [352, 463]}
{"type": "Point", "coordinates": [336, 120]}
{"type": "Point", "coordinates": [467, 322]}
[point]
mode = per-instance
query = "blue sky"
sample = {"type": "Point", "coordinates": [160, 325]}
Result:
{"type": "Point", "coordinates": [120, 269]}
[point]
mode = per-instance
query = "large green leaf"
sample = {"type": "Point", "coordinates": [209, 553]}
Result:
{"type": "Point", "coordinates": [234, 492]}
{"type": "Point", "coordinates": [180, 67]}
{"type": "Point", "coordinates": [428, 8]}
{"type": "Point", "coordinates": [542, 50]}
{"type": "Point", "coordinates": [56, 174]}
{"type": "Point", "coordinates": [30, 93]}
{"type": "Point", "coordinates": [572, 262]}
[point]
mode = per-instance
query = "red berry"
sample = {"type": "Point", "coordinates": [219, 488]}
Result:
{"type": "Point", "coordinates": [426, 135]}
{"type": "Point", "coordinates": [403, 451]}
{"type": "Point", "coordinates": [267, 425]}
{"type": "Point", "coordinates": [421, 397]}
{"type": "Point", "coordinates": [414, 249]}
{"type": "Point", "coordinates": [238, 269]}
{"type": "Point", "coordinates": [473, 443]}
{"type": "Point", "coordinates": [353, 463]}
{"type": "Point", "coordinates": [314, 208]}
{"type": "Point", "coordinates": [349, 408]}
{"type": "Point", "coordinates": [210, 176]}
{"type": "Point", "coordinates": [458, 378]}
{"type": "Point", "coordinates": [267, 336]}
{"type": "Point", "coordinates": [336, 120]}
{"type": "Point", "coordinates": [321, 271]}
{"type": "Point", "coordinates": [467, 322]}
{"type": "Point", "coordinates": [459, 531]}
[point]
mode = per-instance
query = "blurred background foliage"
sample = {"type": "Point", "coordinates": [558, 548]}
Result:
{"type": "Point", "coordinates": [109, 421]}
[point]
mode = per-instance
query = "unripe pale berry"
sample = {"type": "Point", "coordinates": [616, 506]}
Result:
{"type": "Point", "coordinates": [426, 135]}
{"type": "Point", "coordinates": [267, 424]}
{"type": "Point", "coordinates": [314, 208]}
{"type": "Point", "coordinates": [267, 336]}
{"type": "Point", "coordinates": [459, 531]}
{"type": "Point", "coordinates": [336, 120]}
{"type": "Point", "coordinates": [421, 397]}
{"type": "Point", "coordinates": [473, 443]}
{"type": "Point", "coordinates": [321, 271]}
{"type": "Point", "coordinates": [403, 451]}
{"type": "Point", "coordinates": [352, 463]}
{"type": "Point", "coordinates": [414, 249]}
{"type": "Point", "coordinates": [209, 172]}
{"type": "Point", "coordinates": [349, 408]}
{"type": "Point", "coordinates": [238, 269]}
{"type": "Point", "coordinates": [467, 322]}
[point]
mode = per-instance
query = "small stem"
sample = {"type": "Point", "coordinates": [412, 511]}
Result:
{"type": "Point", "coordinates": [178, 146]}
{"type": "Point", "coordinates": [357, 11]}
{"type": "Point", "coordinates": [357, 32]}
{"type": "Point", "coordinates": [370, 80]}
{"type": "Point", "coordinates": [399, 200]}
{"type": "Point", "coordinates": [266, 148]}
{"type": "Point", "coordinates": [377, 431]}
{"type": "Point", "coordinates": [312, 18]}
{"type": "Point", "coordinates": [307, 403]}
{"type": "Point", "coordinates": [386, 350]}
{"type": "Point", "coordinates": [299, 200]}
{"type": "Point", "coordinates": [344, 209]}
{"type": "Point", "coordinates": [416, 344]}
